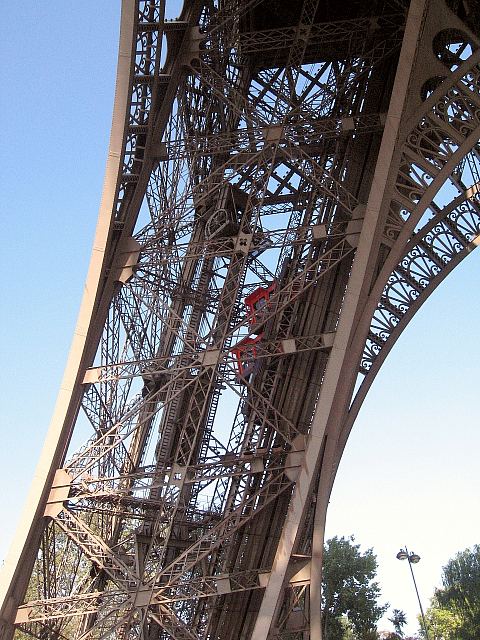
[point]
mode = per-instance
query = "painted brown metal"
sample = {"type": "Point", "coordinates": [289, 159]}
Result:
{"type": "Point", "coordinates": [300, 148]}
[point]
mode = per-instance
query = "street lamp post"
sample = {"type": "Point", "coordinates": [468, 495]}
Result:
{"type": "Point", "coordinates": [413, 558]}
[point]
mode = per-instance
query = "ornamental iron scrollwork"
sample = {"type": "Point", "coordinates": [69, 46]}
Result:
{"type": "Point", "coordinates": [444, 228]}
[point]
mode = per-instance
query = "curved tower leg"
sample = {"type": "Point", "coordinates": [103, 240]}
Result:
{"type": "Point", "coordinates": [277, 206]}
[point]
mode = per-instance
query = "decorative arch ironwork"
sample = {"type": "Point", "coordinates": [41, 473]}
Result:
{"type": "Point", "coordinates": [434, 216]}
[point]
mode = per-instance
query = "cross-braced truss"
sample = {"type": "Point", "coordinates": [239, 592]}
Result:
{"type": "Point", "coordinates": [287, 187]}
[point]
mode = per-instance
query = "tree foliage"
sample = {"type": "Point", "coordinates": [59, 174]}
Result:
{"type": "Point", "coordinates": [399, 620]}
{"type": "Point", "coordinates": [454, 613]}
{"type": "Point", "coordinates": [442, 623]}
{"type": "Point", "coordinates": [349, 592]}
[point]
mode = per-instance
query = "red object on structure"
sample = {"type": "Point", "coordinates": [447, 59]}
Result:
{"type": "Point", "coordinates": [257, 302]}
{"type": "Point", "coordinates": [245, 353]}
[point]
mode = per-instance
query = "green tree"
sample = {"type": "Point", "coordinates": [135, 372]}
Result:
{"type": "Point", "coordinates": [454, 613]}
{"type": "Point", "coordinates": [350, 595]}
{"type": "Point", "coordinates": [441, 623]}
{"type": "Point", "coordinates": [398, 620]}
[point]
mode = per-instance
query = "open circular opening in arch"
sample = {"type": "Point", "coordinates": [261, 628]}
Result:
{"type": "Point", "coordinates": [430, 85]}
{"type": "Point", "coordinates": [452, 47]}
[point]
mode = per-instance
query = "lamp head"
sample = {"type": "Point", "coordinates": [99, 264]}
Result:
{"type": "Point", "coordinates": [414, 558]}
{"type": "Point", "coordinates": [402, 555]}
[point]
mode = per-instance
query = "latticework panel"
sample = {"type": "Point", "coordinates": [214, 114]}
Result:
{"type": "Point", "coordinates": [251, 138]}
{"type": "Point", "coordinates": [435, 205]}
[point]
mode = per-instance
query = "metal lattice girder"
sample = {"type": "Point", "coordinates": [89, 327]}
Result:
{"type": "Point", "coordinates": [448, 231]}
{"type": "Point", "coordinates": [299, 153]}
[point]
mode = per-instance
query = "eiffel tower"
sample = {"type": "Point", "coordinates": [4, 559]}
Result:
{"type": "Point", "coordinates": [287, 182]}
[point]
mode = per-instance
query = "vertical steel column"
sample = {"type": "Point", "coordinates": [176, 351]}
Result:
{"type": "Point", "coordinates": [335, 392]}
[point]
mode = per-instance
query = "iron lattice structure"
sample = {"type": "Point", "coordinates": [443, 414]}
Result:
{"type": "Point", "coordinates": [287, 182]}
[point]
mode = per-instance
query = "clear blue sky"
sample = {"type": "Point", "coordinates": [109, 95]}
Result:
{"type": "Point", "coordinates": [409, 475]}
